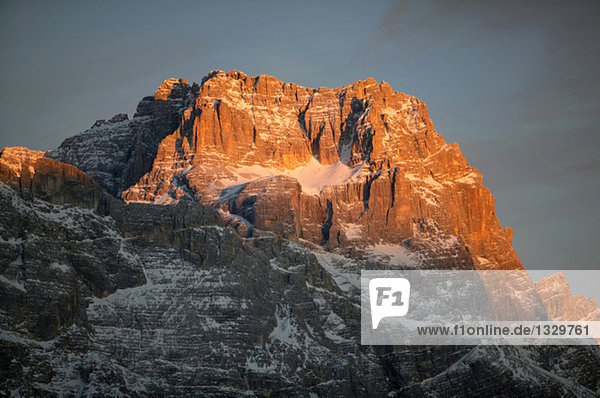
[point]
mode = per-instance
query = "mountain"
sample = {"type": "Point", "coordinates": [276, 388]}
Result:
{"type": "Point", "coordinates": [359, 163]}
{"type": "Point", "coordinates": [212, 245]}
{"type": "Point", "coordinates": [561, 304]}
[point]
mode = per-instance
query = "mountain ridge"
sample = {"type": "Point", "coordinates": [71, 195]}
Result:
{"type": "Point", "coordinates": [232, 122]}
{"type": "Point", "coordinates": [240, 274]}
{"type": "Point", "coordinates": [120, 299]}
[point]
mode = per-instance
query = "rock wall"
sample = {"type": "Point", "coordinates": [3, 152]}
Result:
{"type": "Point", "coordinates": [241, 129]}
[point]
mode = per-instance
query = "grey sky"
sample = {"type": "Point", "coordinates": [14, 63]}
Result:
{"type": "Point", "coordinates": [514, 83]}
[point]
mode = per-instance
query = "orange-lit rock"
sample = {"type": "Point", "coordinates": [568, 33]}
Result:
{"type": "Point", "coordinates": [35, 176]}
{"type": "Point", "coordinates": [243, 128]}
{"type": "Point", "coordinates": [561, 304]}
{"type": "Point", "coordinates": [164, 91]}
{"type": "Point", "coordinates": [369, 164]}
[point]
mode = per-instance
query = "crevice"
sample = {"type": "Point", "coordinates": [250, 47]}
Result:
{"type": "Point", "coordinates": [217, 105]}
{"type": "Point", "coordinates": [326, 226]}
{"type": "Point", "coordinates": [392, 176]}
{"type": "Point", "coordinates": [302, 122]}
{"type": "Point", "coordinates": [314, 145]}
{"type": "Point", "coordinates": [367, 192]}
{"type": "Point", "coordinates": [393, 186]}
{"type": "Point", "coordinates": [348, 132]}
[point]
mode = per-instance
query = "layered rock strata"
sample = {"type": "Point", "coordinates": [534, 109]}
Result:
{"type": "Point", "coordinates": [147, 300]}
{"type": "Point", "coordinates": [360, 163]}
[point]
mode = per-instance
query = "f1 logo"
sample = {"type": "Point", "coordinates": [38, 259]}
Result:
{"type": "Point", "coordinates": [389, 297]}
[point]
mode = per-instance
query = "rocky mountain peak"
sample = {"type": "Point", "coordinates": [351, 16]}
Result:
{"type": "Point", "coordinates": [560, 302]}
{"type": "Point", "coordinates": [118, 118]}
{"type": "Point", "coordinates": [289, 123]}
{"type": "Point", "coordinates": [257, 293]}
{"type": "Point", "coordinates": [359, 164]}
{"type": "Point", "coordinates": [171, 88]}
{"type": "Point", "coordinates": [35, 176]}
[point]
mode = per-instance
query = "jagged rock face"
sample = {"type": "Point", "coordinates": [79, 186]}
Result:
{"type": "Point", "coordinates": [54, 256]}
{"type": "Point", "coordinates": [561, 304]}
{"type": "Point", "coordinates": [369, 163]}
{"type": "Point", "coordinates": [147, 300]}
{"type": "Point", "coordinates": [119, 151]}
{"type": "Point", "coordinates": [548, 371]}
{"type": "Point", "coordinates": [35, 176]}
{"type": "Point", "coordinates": [102, 298]}
{"type": "Point", "coordinates": [162, 300]}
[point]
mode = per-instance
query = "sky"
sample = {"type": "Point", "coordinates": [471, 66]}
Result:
{"type": "Point", "coordinates": [515, 83]}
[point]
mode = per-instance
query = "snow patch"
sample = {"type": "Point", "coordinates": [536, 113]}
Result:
{"type": "Point", "coordinates": [313, 176]}
{"type": "Point", "coordinates": [352, 231]}
{"type": "Point", "coordinates": [16, 285]}
{"type": "Point", "coordinates": [334, 264]}
{"type": "Point", "coordinates": [60, 267]}
{"type": "Point", "coordinates": [395, 254]}
{"type": "Point", "coordinates": [285, 331]}
{"type": "Point", "coordinates": [471, 179]}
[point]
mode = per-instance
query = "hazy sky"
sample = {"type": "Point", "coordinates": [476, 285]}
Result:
{"type": "Point", "coordinates": [516, 84]}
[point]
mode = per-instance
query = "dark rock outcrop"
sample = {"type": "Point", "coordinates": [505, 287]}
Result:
{"type": "Point", "coordinates": [363, 154]}
{"type": "Point", "coordinates": [116, 153]}
{"type": "Point", "coordinates": [240, 274]}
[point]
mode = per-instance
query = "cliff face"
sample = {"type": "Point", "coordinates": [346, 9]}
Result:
{"type": "Point", "coordinates": [561, 304]}
{"type": "Point", "coordinates": [102, 297]}
{"type": "Point", "coordinates": [117, 152]}
{"type": "Point", "coordinates": [162, 300]}
{"type": "Point", "coordinates": [56, 248]}
{"type": "Point", "coordinates": [355, 165]}
{"type": "Point", "coordinates": [35, 176]}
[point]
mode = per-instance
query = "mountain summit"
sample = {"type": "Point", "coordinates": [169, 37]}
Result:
{"type": "Point", "coordinates": [356, 165]}
{"type": "Point", "coordinates": [212, 245]}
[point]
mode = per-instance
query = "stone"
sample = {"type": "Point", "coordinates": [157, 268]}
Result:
{"type": "Point", "coordinates": [232, 266]}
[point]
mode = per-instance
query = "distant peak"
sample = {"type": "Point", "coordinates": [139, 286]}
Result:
{"type": "Point", "coordinates": [164, 90]}
{"type": "Point", "coordinates": [557, 277]}
{"type": "Point", "coordinates": [118, 118]}
{"type": "Point", "coordinates": [236, 74]}
{"type": "Point", "coordinates": [221, 76]}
